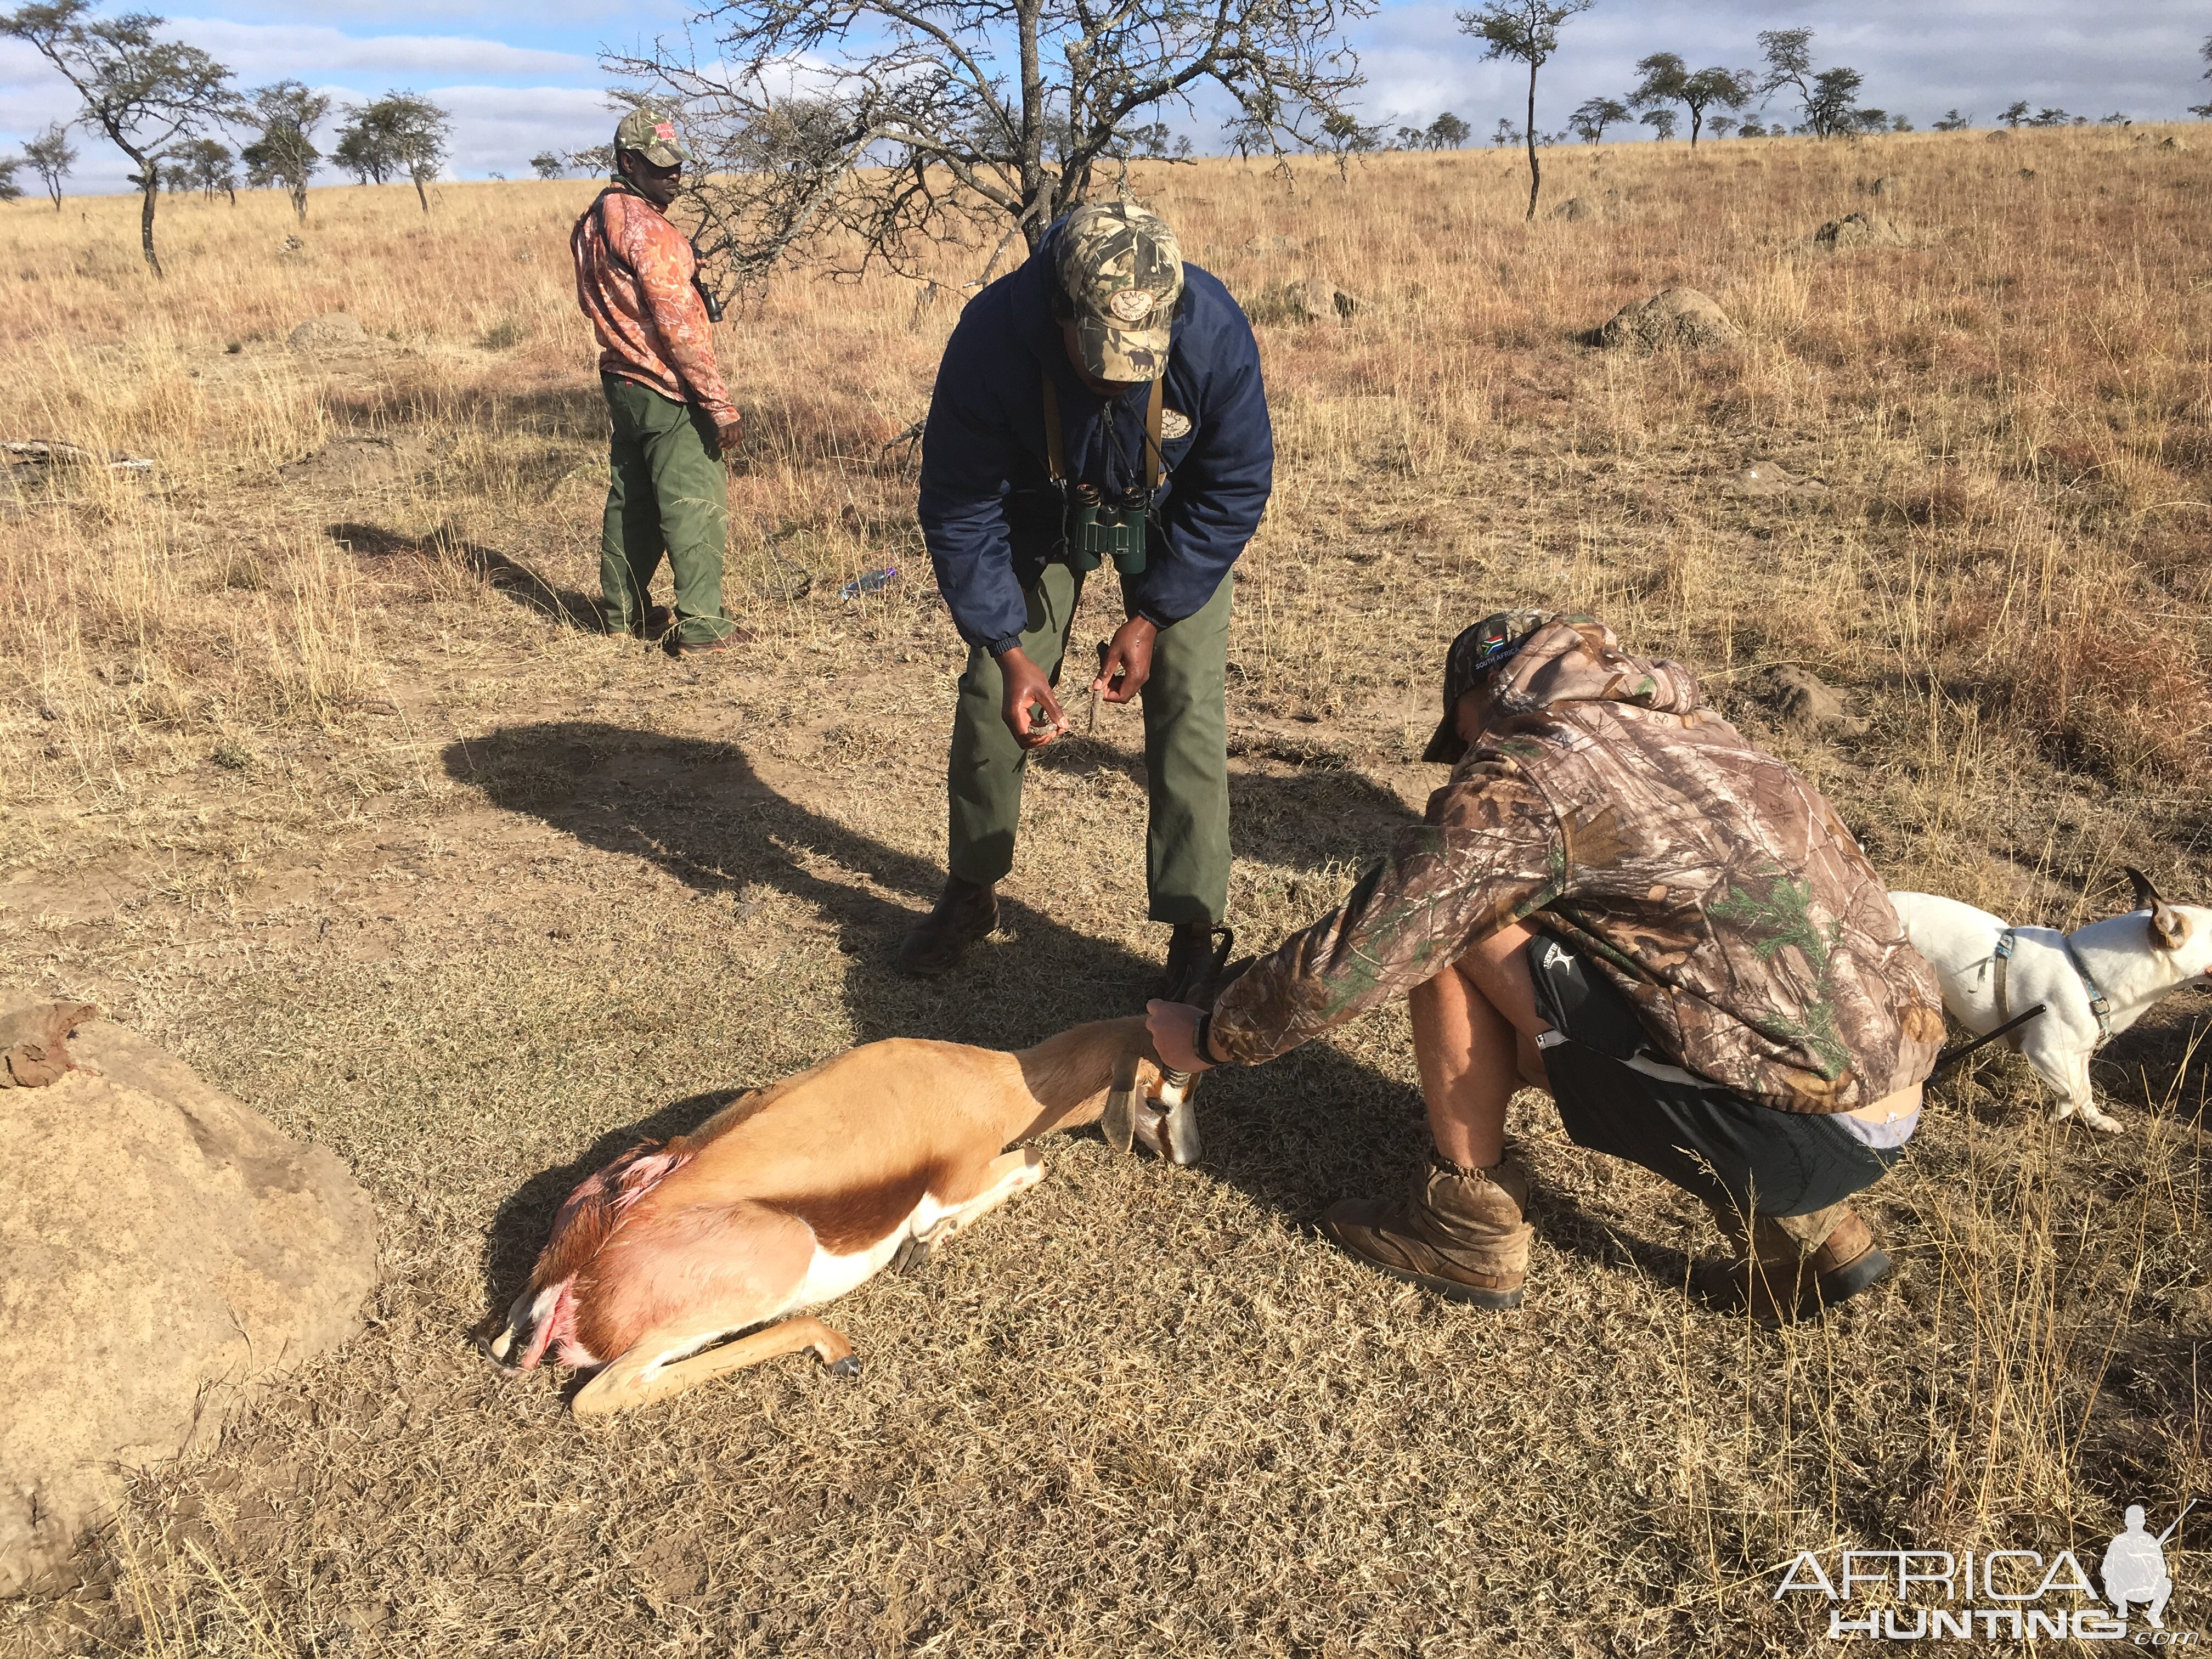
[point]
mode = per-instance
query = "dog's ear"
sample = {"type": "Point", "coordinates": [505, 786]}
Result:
{"type": "Point", "coordinates": [2168, 927]}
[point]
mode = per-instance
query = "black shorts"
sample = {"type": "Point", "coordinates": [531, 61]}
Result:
{"type": "Point", "coordinates": [1724, 1147]}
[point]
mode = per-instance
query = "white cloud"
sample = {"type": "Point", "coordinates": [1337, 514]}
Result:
{"type": "Point", "coordinates": [262, 51]}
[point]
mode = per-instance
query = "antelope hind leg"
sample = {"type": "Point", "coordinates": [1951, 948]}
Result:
{"type": "Point", "coordinates": [636, 1378]}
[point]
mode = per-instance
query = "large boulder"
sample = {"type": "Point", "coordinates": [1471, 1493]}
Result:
{"type": "Point", "coordinates": [334, 330]}
{"type": "Point", "coordinates": [1671, 316]}
{"type": "Point", "coordinates": [1309, 299]}
{"type": "Point", "coordinates": [1861, 230]}
{"type": "Point", "coordinates": [163, 1249]}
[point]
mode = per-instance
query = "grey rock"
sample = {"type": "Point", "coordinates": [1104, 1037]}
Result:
{"type": "Point", "coordinates": [1308, 299]}
{"type": "Point", "coordinates": [1860, 230]}
{"type": "Point", "coordinates": [1767, 478]}
{"type": "Point", "coordinates": [1674, 317]}
{"type": "Point", "coordinates": [1805, 703]}
{"type": "Point", "coordinates": [164, 1251]}
{"type": "Point", "coordinates": [335, 330]}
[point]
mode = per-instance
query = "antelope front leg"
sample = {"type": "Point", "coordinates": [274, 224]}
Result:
{"type": "Point", "coordinates": [1002, 1177]}
{"type": "Point", "coordinates": [636, 1379]}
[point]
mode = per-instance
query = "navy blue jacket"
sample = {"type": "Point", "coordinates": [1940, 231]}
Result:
{"type": "Point", "coordinates": [990, 510]}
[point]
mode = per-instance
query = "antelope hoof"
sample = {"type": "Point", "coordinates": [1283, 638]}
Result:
{"type": "Point", "coordinates": [911, 1256]}
{"type": "Point", "coordinates": [2100, 1119]}
{"type": "Point", "coordinates": [848, 1366]}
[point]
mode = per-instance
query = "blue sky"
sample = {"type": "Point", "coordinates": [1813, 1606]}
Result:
{"type": "Point", "coordinates": [521, 77]}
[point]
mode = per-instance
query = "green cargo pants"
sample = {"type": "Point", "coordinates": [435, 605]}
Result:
{"type": "Point", "coordinates": [1186, 753]}
{"type": "Point", "coordinates": [667, 492]}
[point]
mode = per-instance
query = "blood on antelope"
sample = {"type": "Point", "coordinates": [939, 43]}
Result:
{"type": "Point", "coordinates": [679, 1262]}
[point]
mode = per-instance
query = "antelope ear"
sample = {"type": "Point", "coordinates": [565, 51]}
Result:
{"type": "Point", "coordinates": [2168, 928]}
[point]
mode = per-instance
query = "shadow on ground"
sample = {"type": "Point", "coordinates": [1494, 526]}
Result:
{"type": "Point", "coordinates": [507, 577]}
{"type": "Point", "coordinates": [1297, 1134]}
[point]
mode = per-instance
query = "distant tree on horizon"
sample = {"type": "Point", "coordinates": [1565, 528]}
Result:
{"type": "Point", "coordinates": [2014, 113]}
{"type": "Point", "coordinates": [1829, 98]}
{"type": "Point", "coordinates": [52, 156]}
{"type": "Point", "coordinates": [9, 190]}
{"type": "Point", "coordinates": [2205, 52]}
{"type": "Point", "coordinates": [286, 112]}
{"type": "Point", "coordinates": [1593, 115]}
{"type": "Point", "coordinates": [205, 165]}
{"type": "Point", "coordinates": [548, 165]}
{"type": "Point", "coordinates": [399, 136]}
{"type": "Point", "coordinates": [1447, 131]}
{"type": "Point", "coordinates": [1527, 30]}
{"type": "Point", "coordinates": [1668, 80]}
{"type": "Point", "coordinates": [1662, 121]}
{"type": "Point", "coordinates": [1954, 122]}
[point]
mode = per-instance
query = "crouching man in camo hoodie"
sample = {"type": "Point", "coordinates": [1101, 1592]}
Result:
{"type": "Point", "coordinates": [1619, 901]}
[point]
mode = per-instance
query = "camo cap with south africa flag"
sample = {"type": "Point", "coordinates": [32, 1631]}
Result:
{"type": "Point", "coordinates": [1123, 273]}
{"type": "Point", "coordinates": [651, 133]}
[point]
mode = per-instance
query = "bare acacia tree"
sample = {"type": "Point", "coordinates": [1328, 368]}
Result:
{"type": "Point", "coordinates": [52, 155]}
{"type": "Point", "coordinates": [2205, 52]}
{"type": "Point", "coordinates": [145, 95]}
{"type": "Point", "coordinates": [1527, 30]}
{"type": "Point", "coordinates": [903, 124]}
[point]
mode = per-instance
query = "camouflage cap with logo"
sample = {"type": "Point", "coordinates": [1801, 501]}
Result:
{"type": "Point", "coordinates": [1123, 273]}
{"type": "Point", "coordinates": [1477, 651]}
{"type": "Point", "coordinates": [652, 135]}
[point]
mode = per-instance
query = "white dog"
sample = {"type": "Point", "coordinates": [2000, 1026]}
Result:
{"type": "Point", "coordinates": [2095, 982]}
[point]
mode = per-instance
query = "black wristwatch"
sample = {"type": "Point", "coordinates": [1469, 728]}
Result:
{"type": "Point", "coordinates": [1198, 1042]}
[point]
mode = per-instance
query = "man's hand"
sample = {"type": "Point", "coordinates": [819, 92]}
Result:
{"type": "Point", "coordinates": [1129, 655]}
{"type": "Point", "coordinates": [1174, 1028]}
{"type": "Point", "coordinates": [1027, 690]}
{"type": "Point", "coordinates": [727, 437]}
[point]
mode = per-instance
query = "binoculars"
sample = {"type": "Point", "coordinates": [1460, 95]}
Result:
{"type": "Point", "coordinates": [1099, 529]}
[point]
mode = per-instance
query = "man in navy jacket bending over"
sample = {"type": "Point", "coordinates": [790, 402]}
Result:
{"type": "Point", "coordinates": [1103, 403]}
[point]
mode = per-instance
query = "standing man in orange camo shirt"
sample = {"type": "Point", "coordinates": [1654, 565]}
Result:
{"type": "Point", "coordinates": [673, 421]}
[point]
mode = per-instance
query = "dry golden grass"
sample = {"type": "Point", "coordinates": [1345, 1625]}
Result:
{"type": "Point", "coordinates": [317, 784]}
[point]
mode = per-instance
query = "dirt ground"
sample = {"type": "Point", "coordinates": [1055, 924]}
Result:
{"type": "Point", "coordinates": [320, 784]}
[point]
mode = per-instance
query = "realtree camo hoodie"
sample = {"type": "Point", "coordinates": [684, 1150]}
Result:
{"type": "Point", "coordinates": [634, 281]}
{"type": "Point", "coordinates": [1605, 805]}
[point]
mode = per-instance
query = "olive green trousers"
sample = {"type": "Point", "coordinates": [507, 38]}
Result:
{"type": "Point", "coordinates": [666, 493]}
{"type": "Point", "coordinates": [1186, 752]}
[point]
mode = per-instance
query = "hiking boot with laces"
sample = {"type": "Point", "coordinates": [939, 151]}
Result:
{"type": "Point", "coordinates": [965, 912]}
{"type": "Point", "coordinates": [1785, 1268]}
{"type": "Point", "coordinates": [1462, 1233]}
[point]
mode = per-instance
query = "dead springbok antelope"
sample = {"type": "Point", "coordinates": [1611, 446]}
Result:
{"type": "Point", "coordinates": [793, 1195]}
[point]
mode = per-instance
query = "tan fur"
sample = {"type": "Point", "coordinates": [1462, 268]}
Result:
{"type": "Point", "coordinates": [835, 1161]}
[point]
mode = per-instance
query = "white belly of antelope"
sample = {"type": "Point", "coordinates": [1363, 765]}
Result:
{"type": "Point", "coordinates": [829, 1276]}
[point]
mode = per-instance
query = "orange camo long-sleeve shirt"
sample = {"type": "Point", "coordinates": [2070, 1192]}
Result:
{"type": "Point", "coordinates": [652, 328]}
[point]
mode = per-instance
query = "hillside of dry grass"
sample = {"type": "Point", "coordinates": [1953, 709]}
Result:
{"type": "Point", "coordinates": [318, 784]}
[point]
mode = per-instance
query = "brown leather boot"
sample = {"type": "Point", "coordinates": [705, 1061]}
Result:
{"type": "Point", "coordinates": [1462, 1233]}
{"type": "Point", "coordinates": [965, 912]}
{"type": "Point", "coordinates": [1790, 1267]}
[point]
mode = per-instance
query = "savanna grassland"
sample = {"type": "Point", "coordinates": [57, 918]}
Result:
{"type": "Point", "coordinates": [316, 779]}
